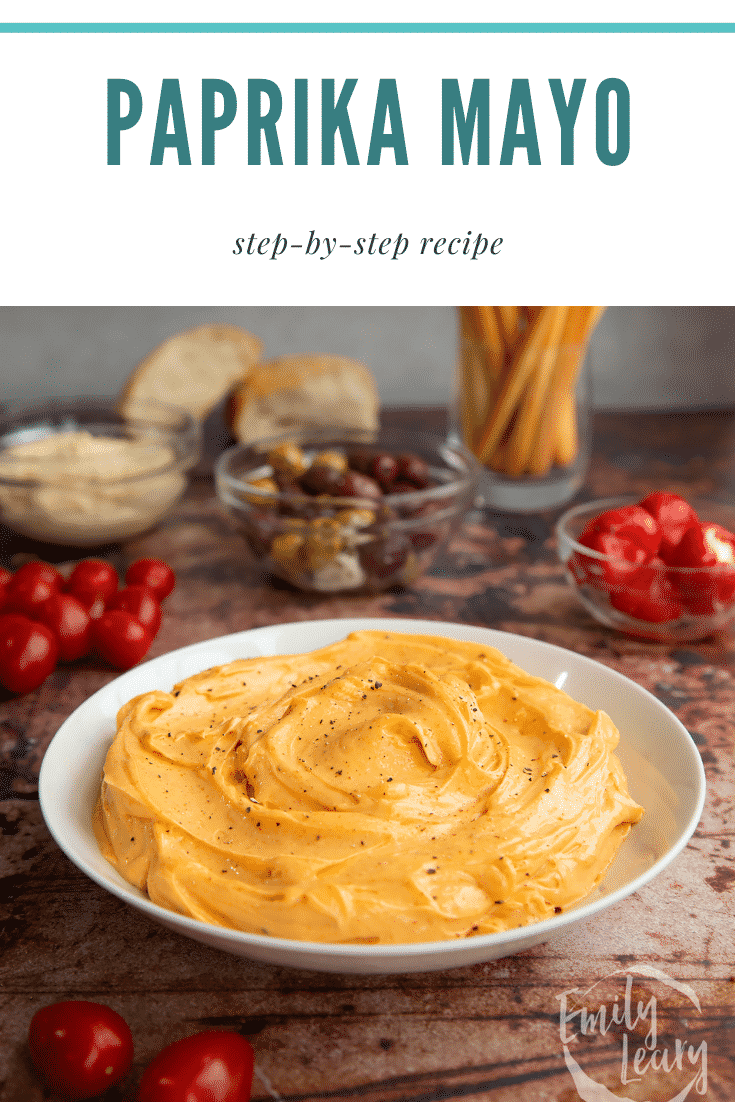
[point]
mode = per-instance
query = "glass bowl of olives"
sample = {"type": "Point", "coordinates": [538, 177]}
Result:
{"type": "Point", "coordinates": [347, 510]}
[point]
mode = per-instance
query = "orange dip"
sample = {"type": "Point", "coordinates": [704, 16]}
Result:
{"type": "Point", "coordinates": [387, 788]}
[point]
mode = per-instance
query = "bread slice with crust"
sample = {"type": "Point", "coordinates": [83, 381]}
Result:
{"type": "Point", "coordinates": [294, 392]}
{"type": "Point", "coordinates": [195, 369]}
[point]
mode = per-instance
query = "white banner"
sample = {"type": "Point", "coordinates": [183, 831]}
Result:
{"type": "Point", "coordinates": [573, 225]}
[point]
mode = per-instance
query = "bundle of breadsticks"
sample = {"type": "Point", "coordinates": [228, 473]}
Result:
{"type": "Point", "coordinates": [518, 373]}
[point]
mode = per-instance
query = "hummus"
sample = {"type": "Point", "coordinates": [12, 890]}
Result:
{"type": "Point", "coordinates": [82, 489]}
{"type": "Point", "coordinates": [388, 788]}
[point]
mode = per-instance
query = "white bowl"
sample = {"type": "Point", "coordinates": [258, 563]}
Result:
{"type": "Point", "coordinates": [661, 762]}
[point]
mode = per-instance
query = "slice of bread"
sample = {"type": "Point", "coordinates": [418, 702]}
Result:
{"type": "Point", "coordinates": [303, 391]}
{"type": "Point", "coordinates": [195, 369]}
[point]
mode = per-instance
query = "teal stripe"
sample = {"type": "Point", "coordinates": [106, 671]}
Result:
{"type": "Point", "coordinates": [367, 28]}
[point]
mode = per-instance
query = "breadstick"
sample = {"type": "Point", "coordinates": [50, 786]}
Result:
{"type": "Point", "coordinates": [533, 408]}
{"type": "Point", "coordinates": [514, 383]}
{"type": "Point", "coordinates": [554, 428]}
{"type": "Point", "coordinates": [519, 368]}
{"type": "Point", "coordinates": [473, 397]}
{"type": "Point", "coordinates": [492, 343]}
{"type": "Point", "coordinates": [567, 444]}
{"type": "Point", "coordinates": [509, 317]}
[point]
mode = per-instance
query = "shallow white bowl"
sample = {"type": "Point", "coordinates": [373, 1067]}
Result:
{"type": "Point", "coordinates": [661, 762]}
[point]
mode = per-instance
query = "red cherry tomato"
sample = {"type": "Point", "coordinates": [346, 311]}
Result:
{"type": "Point", "coordinates": [30, 586]}
{"type": "Point", "coordinates": [673, 515]}
{"type": "Point", "coordinates": [40, 570]}
{"type": "Point", "coordinates": [28, 652]}
{"type": "Point", "coordinates": [650, 597]}
{"type": "Point", "coordinates": [720, 542]}
{"type": "Point", "coordinates": [92, 603]}
{"type": "Point", "coordinates": [707, 590]}
{"type": "Point", "coordinates": [80, 1048]}
{"type": "Point", "coordinates": [120, 638]}
{"type": "Point", "coordinates": [624, 562]}
{"type": "Point", "coordinates": [142, 602]}
{"type": "Point", "coordinates": [209, 1067]}
{"type": "Point", "coordinates": [70, 623]}
{"type": "Point", "coordinates": [693, 549]}
{"type": "Point", "coordinates": [153, 574]}
{"type": "Point", "coordinates": [629, 522]}
{"type": "Point", "coordinates": [92, 578]}
{"type": "Point", "coordinates": [700, 557]}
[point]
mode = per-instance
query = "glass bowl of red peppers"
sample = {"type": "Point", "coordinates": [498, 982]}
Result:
{"type": "Point", "coordinates": [335, 510]}
{"type": "Point", "coordinates": [658, 567]}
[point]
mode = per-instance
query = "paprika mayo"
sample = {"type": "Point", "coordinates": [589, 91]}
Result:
{"type": "Point", "coordinates": [387, 788]}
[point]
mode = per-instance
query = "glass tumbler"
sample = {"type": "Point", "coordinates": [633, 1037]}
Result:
{"type": "Point", "coordinates": [523, 410]}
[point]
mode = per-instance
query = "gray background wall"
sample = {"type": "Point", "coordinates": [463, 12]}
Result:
{"type": "Point", "coordinates": [644, 357]}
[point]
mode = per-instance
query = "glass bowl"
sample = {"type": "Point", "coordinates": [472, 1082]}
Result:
{"type": "Point", "coordinates": [330, 542]}
{"type": "Point", "coordinates": [88, 471]}
{"type": "Point", "coordinates": [689, 603]}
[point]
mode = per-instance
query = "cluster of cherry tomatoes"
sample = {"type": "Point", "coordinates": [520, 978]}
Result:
{"type": "Point", "coordinates": [661, 561]}
{"type": "Point", "coordinates": [81, 1048]}
{"type": "Point", "coordinates": [45, 618]}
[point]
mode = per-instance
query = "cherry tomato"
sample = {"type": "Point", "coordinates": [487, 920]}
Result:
{"type": "Point", "coordinates": [152, 573]}
{"type": "Point", "coordinates": [693, 570]}
{"type": "Point", "coordinates": [120, 638]}
{"type": "Point", "coordinates": [651, 596]}
{"type": "Point", "coordinates": [70, 623]}
{"type": "Point", "coordinates": [693, 549]}
{"type": "Point", "coordinates": [92, 603]}
{"type": "Point", "coordinates": [30, 586]}
{"type": "Point", "coordinates": [673, 515]}
{"type": "Point", "coordinates": [624, 562]}
{"type": "Point", "coordinates": [142, 602]}
{"type": "Point", "coordinates": [91, 578]}
{"type": "Point", "coordinates": [40, 570]}
{"type": "Point", "coordinates": [720, 542]}
{"type": "Point", "coordinates": [28, 652]}
{"type": "Point", "coordinates": [707, 590]}
{"type": "Point", "coordinates": [629, 522]}
{"type": "Point", "coordinates": [80, 1048]}
{"type": "Point", "coordinates": [209, 1067]}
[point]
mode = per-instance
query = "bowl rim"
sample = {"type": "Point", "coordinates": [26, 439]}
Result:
{"type": "Point", "coordinates": [462, 482]}
{"type": "Point", "coordinates": [195, 927]}
{"type": "Point", "coordinates": [601, 505]}
{"type": "Point", "coordinates": [188, 432]}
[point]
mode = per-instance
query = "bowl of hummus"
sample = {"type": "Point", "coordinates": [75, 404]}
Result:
{"type": "Point", "coordinates": [83, 472]}
{"type": "Point", "coordinates": [372, 796]}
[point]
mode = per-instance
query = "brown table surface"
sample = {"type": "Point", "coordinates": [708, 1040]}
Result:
{"type": "Point", "coordinates": [488, 1031]}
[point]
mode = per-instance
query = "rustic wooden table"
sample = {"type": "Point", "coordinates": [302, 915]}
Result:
{"type": "Point", "coordinates": [488, 1032]}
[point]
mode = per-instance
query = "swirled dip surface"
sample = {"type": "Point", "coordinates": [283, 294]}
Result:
{"type": "Point", "coordinates": [388, 788]}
